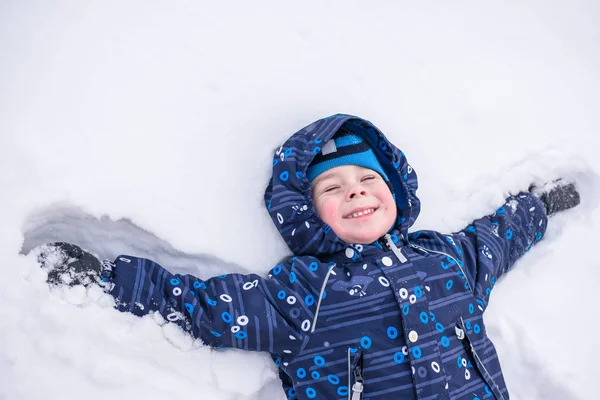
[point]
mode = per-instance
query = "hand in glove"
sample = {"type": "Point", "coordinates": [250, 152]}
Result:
{"type": "Point", "coordinates": [68, 264]}
{"type": "Point", "coordinates": [557, 196]}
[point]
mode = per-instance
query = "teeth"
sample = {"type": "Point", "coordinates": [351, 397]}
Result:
{"type": "Point", "coordinates": [360, 213]}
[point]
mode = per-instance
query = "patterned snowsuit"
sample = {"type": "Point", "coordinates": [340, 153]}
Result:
{"type": "Point", "coordinates": [397, 319]}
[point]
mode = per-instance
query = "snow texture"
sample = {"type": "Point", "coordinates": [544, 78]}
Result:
{"type": "Point", "coordinates": [148, 127]}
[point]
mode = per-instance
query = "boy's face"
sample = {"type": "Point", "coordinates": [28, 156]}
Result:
{"type": "Point", "coordinates": [342, 193]}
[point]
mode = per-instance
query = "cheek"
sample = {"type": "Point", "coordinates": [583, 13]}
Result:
{"type": "Point", "coordinates": [327, 210]}
{"type": "Point", "coordinates": [385, 196]}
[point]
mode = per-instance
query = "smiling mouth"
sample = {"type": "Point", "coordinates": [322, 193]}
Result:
{"type": "Point", "coordinates": [361, 214]}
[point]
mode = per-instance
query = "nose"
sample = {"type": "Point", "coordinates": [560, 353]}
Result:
{"type": "Point", "coordinates": [356, 191]}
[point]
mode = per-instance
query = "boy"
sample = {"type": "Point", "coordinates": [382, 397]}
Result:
{"type": "Point", "coordinates": [363, 310]}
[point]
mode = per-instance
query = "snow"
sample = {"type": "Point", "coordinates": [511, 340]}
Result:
{"type": "Point", "coordinates": [148, 128]}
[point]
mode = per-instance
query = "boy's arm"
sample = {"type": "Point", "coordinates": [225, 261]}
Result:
{"type": "Point", "coordinates": [243, 311]}
{"type": "Point", "coordinates": [489, 246]}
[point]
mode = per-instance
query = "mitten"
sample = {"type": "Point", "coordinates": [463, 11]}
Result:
{"type": "Point", "coordinates": [557, 196]}
{"type": "Point", "coordinates": [68, 264]}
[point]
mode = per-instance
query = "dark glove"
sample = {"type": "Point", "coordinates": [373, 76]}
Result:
{"type": "Point", "coordinates": [557, 196]}
{"type": "Point", "coordinates": [68, 264]}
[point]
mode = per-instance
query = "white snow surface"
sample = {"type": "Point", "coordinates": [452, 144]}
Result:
{"type": "Point", "coordinates": [147, 128]}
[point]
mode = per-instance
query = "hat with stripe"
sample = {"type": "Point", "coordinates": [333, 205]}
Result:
{"type": "Point", "coordinates": [344, 148]}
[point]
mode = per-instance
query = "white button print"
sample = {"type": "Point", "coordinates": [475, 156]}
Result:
{"type": "Point", "coordinates": [413, 336]}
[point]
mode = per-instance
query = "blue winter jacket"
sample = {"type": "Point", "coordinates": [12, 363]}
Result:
{"type": "Point", "coordinates": [400, 318]}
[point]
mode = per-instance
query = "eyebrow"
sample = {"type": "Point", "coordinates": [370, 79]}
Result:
{"type": "Point", "coordinates": [324, 177]}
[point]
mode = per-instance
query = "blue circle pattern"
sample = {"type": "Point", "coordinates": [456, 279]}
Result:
{"type": "Point", "coordinates": [424, 317]}
{"type": "Point", "coordinates": [309, 300]}
{"type": "Point", "coordinates": [226, 317]}
{"type": "Point", "coordinates": [365, 342]}
{"type": "Point", "coordinates": [418, 292]}
{"type": "Point", "coordinates": [301, 373]}
{"type": "Point", "coordinates": [319, 361]}
{"type": "Point", "coordinates": [392, 332]}
{"type": "Point", "coordinates": [416, 352]}
{"type": "Point", "coordinates": [281, 295]}
{"type": "Point", "coordinates": [445, 341]}
{"type": "Point", "coordinates": [398, 357]}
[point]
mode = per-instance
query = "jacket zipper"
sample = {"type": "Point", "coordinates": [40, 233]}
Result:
{"type": "Point", "coordinates": [355, 390]}
{"type": "Point", "coordinates": [358, 386]}
{"type": "Point", "coordinates": [414, 246]}
{"type": "Point", "coordinates": [314, 324]}
{"type": "Point", "coordinates": [392, 246]}
{"type": "Point", "coordinates": [460, 334]}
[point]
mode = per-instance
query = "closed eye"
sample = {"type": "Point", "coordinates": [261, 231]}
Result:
{"type": "Point", "coordinates": [366, 178]}
{"type": "Point", "coordinates": [330, 189]}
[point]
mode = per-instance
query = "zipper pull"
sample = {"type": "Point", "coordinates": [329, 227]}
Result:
{"type": "Point", "coordinates": [357, 388]}
{"type": "Point", "coordinates": [417, 247]}
{"type": "Point", "coordinates": [458, 329]}
{"type": "Point", "coordinates": [395, 250]}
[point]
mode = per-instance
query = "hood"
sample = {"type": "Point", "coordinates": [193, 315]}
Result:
{"type": "Point", "coordinates": [288, 195]}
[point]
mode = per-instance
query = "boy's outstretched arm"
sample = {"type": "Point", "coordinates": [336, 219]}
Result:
{"type": "Point", "coordinates": [234, 310]}
{"type": "Point", "coordinates": [490, 246]}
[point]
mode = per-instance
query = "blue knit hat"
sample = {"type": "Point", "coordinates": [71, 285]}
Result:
{"type": "Point", "coordinates": [344, 148]}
